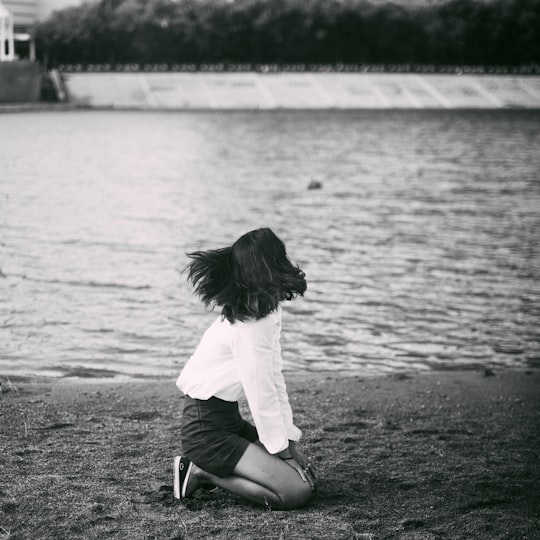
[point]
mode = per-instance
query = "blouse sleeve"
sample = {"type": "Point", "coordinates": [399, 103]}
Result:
{"type": "Point", "coordinates": [258, 359]}
{"type": "Point", "coordinates": [293, 433]}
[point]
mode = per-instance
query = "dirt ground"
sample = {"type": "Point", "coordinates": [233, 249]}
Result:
{"type": "Point", "coordinates": [442, 455]}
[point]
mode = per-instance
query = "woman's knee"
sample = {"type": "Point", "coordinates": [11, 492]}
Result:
{"type": "Point", "coordinates": [297, 496]}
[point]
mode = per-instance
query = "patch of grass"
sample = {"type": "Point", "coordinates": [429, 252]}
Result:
{"type": "Point", "coordinates": [399, 459]}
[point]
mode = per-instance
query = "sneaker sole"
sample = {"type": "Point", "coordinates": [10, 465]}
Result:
{"type": "Point", "coordinates": [186, 480]}
{"type": "Point", "coordinates": [177, 477]}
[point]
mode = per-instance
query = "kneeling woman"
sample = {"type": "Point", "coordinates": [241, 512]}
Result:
{"type": "Point", "coordinates": [240, 354]}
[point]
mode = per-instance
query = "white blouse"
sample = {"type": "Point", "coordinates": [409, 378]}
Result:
{"type": "Point", "coordinates": [245, 358]}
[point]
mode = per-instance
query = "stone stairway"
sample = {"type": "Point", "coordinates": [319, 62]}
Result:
{"type": "Point", "coordinates": [301, 91]}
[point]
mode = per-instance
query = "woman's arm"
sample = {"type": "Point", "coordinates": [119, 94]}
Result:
{"type": "Point", "coordinates": [293, 433]}
{"type": "Point", "coordinates": [254, 350]}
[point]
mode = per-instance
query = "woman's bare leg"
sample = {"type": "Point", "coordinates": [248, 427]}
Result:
{"type": "Point", "coordinates": [261, 478]}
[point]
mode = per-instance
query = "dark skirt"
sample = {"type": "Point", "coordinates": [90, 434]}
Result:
{"type": "Point", "coordinates": [214, 435]}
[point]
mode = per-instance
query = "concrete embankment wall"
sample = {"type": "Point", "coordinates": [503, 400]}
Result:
{"type": "Point", "coordinates": [20, 82]}
{"type": "Point", "coordinates": [302, 91]}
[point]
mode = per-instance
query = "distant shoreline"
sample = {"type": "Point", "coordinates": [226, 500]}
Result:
{"type": "Point", "coordinates": [283, 91]}
{"type": "Point", "coordinates": [252, 88]}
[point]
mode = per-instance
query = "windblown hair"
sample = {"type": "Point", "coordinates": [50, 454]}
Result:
{"type": "Point", "coordinates": [248, 279]}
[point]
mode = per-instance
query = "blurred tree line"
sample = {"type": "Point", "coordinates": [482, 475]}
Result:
{"type": "Point", "coordinates": [463, 32]}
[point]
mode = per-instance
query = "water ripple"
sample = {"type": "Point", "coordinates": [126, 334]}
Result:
{"type": "Point", "coordinates": [420, 248]}
{"type": "Point", "coordinates": [82, 283]}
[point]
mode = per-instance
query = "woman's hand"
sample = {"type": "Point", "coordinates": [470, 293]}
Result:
{"type": "Point", "coordinates": [303, 466]}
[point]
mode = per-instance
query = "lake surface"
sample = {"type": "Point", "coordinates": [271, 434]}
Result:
{"type": "Point", "coordinates": [421, 248]}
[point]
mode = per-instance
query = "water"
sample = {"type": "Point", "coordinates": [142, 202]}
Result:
{"type": "Point", "coordinates": [421, 249]}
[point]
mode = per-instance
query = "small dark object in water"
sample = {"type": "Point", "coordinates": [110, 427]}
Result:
{"type": "Point", "coordinates": [315, 184]}
{"type": "Point", "coordinates": [488, 372]}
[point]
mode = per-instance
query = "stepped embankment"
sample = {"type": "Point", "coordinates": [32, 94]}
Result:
{"type": "Point", "coordinates": [254, 91]}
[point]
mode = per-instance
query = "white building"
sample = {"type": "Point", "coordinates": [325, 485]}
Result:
{"type": "Point", "coordinates": [16, 36]}
{"type": "Point", "coordinates": [27, 12]}
{"type": "Point", "coordinates": [23, 12]}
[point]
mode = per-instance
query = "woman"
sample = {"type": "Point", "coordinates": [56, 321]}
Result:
{"type": "Point", "coordinates": [240, 354]}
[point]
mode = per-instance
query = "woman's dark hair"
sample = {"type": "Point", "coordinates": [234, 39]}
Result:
{"type": "Point", "coordinates": [248, 279]}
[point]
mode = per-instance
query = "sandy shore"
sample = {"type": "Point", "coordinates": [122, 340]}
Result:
{"type": "Point", "coordinates": [426, 456]}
